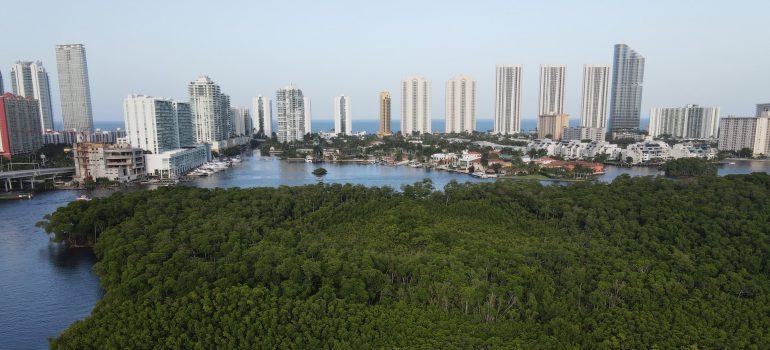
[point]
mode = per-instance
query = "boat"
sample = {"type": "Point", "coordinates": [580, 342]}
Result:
{"type": "Point", "coordinates": [309, 159]}
{"type": "Point", "coordinates": [82, 198]}
{"type": "Point", "coordinates": [732, 163]}
{"type": "Point", "coordinates": [16, 195]}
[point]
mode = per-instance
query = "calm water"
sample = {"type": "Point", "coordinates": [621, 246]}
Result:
{"type": "Point", "coordinates": [44, 288]}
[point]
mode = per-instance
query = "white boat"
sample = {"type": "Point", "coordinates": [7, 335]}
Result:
{"type": "Point", "coordinates": [732, 163]}
{"type": "Point", "coordinates": [83, 198]}
{"type": "Point", "coordinates": [309, 159]}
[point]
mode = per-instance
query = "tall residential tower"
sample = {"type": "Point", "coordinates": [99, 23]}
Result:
{"type": "Point", "coordinates": [385, 114]}
{"type": "Point", "coordinates": [551, 89]}
{"type": "Point", "coordinates": [211, 115]}
{"type": "Point", "coordinates": [415, 105]}
{"type": "Point", "coordinates": [507, 99]}
{"type": "Point", "coordinates": [596, 79]}
{"type": "Point", "coordinates": [342, 122]}
{"type": "Point", "coordinates": [74, 87]}
{"type": "Point", "coordinates": [263, 115]}
{"type": "Point", "coordinates": [460, 105]}
{"type": "Point", "coordinates": [29, 79]}
{"type": "Point", "coordinates": [290, 113]}
{"type": "Point", "coordinates": [626, 98]}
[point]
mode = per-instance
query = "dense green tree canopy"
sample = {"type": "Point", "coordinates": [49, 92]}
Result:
{"type": "Point", "coordinates": [642, 263]}
{"type": "Point", "coordinates": [689, 167]}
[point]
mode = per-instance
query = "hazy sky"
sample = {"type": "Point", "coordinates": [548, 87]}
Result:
{"type": "Point", "coordinates": [705, 52]}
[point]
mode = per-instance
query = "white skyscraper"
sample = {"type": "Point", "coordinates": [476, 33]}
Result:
{"type": "Point", "coordinates": [343, 124]}
{"type": "Point", "coordinates": [308, 115]}
{"type": "Point", "coordinates": [551, 89]}
{"type": "Point", "coordinates": [415, 105]}
{"type": "Point", "coordinates": [460, 104]}
{"type": "Point", "coordinates": [74, 87]}
{"type": "Point", "coordinates": [263, 115]}
{"type": "Point", "coordinates": [241, 121]}
{"type": "Point", "coordinates": [151, 123]}
{"type": "Point", "coordinates": [290, 114]}
{"type": "Point", "coordinates": [30, 79]}
{"type": "Point", "coordinates": [210, 109]}
{"type": "Point", "coordinates": [507, 99]}
{"type": "Point", "coordinates": [596, 83]}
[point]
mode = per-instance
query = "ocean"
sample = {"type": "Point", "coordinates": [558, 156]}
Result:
{"type": "Point", "coordinates": [372, 126]}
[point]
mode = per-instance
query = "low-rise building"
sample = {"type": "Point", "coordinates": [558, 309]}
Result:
{"type": "Point", "coordinates": [583, 133]}
{"type": "Point", "coordinates": [175, 163]}
{"type": "Point", "coordinates": [647, 151]}
{"type": "Point", "coordinates": [121, 163]}
{"type": "Point", "coordinates": [467, 158]}
{"type": "Point", "coordinates": [689, 150]}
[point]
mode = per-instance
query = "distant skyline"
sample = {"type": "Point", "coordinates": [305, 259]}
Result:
{"type": "Point", "coordinates": [712, 54]}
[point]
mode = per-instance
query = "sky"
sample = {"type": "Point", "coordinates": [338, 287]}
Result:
{"type": "Point", "coordinates": [713, 53]}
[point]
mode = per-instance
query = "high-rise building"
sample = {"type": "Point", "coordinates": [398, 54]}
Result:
{"type": "Point", "coordinates": [263, 115]}
{"type": "Point", "coordinates": [151, 123]}
{"type": "Point", "coordinates": [551, 89]}
{"type": "Point", "coordinates": [29, 79]}
{"type": "Point", "coordinates": [343, 123]}
{"type": "Point", "coordinates": [552, 125]}
{"type": "Point", "coordinates": [596, 81]}
{"type": "Point", "coordinates": [736, 133]}
{"type": "Point", "coordinates": [762, 136]}
{"type": "Point", "coordinates": [74, 87]}
{"type": "Point", "coordinates": [290, 114]}
{"type": "Point", "coordinates": [762, 108]}
{"type": "Point", "coordinates": [385, 114]}
{"type": "Point", "coordinates": [626, 98]}
{"type": "Point", "coordinates": [308, 116]}
{"type": "Point", "coordinates": [507, 99]}
{"type": "Point", "coordinates": [691, 121]}
{"type": "Point", "coordinates": [460, 104]}
{"type": "Point", "coordinates": [210, 109]}
{"type": "Point", "coordinates": [415, 105]}
{"type": "Point", "coordinates": [241, 121]}
{"type": "Point", "coordinates": [184, 122]}
{"type": "Point", "coordinates": [19, 125]}
{"type": "Point", "coordinates": [2, 87]}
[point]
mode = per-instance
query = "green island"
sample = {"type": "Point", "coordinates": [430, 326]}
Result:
{"type": "Point", "coordinates": [641, 263]}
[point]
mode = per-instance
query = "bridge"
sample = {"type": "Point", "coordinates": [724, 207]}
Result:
{"type": "Point", "coordinates": [31, 175]}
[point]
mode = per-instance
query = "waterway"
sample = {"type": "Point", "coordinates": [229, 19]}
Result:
{"type": "Point", "coordinates": [44, 288]}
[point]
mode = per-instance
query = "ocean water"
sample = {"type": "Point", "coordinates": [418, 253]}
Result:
{"type": "Point", "coordinates": [372, 126]}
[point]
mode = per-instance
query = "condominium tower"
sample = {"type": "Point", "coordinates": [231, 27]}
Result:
{"type": "Point", "coordinates": [507, 99]}
{"type": "Point", "coordinates": [19, 126]}
{"type": "Point", "coordinates": [385, 114]}
{"type": "Point", "coordinates": [596, 80]}
{"type": "Point", "coordinates": [290, 113]}
{"type": "Point", "coordinates": [342, 121]}
{"type": "Point", "coordinates": [552, 125]}
{"type": "Point", "coordinates": [691, 121]}
{"type": "Point", "coordinates": [551, 89]}
{"type": "Point", "coordinates": [151, 123]}
{"type": "Point", "coordinates": [308, 115]}
{"type": "Point", "coordinates": [74, 87]}
{"type": "Point", "coordinates": [626, 98]}
{"type": "Point", "coordinates": [736, 134]}
{"type": "Point", "coordinates": [210, 109]}
{"type": "Point", "coordinates": [762, 108]}
{"type": "Point", "coordinates": [460, 104]}
{"type": "Point", "coordinates": [263, 115]}
{"type": "Point", "coordinates": [415, 105]}
{"type": "Point", "coordinates": [29, 79]}
{"type": "Point", "coordinates": [242, 124]}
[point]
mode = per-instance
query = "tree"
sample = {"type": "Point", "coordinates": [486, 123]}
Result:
{"type": "Point", "coordinates": [319, 172]}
